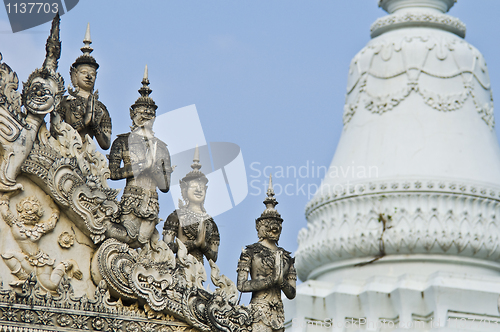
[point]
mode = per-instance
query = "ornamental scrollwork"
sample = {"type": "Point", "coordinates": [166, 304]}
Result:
{"type": "Point", "coordinates": [385, 73]}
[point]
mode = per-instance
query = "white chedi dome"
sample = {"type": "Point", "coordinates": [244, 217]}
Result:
{"type": "Point", "coordinates": [417, 169]}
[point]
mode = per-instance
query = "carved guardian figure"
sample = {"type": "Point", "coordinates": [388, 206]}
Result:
{"type": "Point", "coordinates": [146, 166]}
{"type": "Point", "coordinates": [27, 229]}
{"type": "Point", "coordinates": [271, 270]}
{"type": "Point", "coordinates": [41, 94]}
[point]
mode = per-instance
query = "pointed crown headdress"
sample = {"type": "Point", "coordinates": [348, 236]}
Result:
{"type": "Point", "coordinates": [86, 58]}
{"type": "Point", "coordinates": [270, 202]}
{"type": "Point", "coordinates": [50, 64]}
{"type": "Point", "coordinates": [195, 173]}
{"type": "Point", "coordinates": [145, 100]}
{"type": "Point", "coordinates": [33, 201]}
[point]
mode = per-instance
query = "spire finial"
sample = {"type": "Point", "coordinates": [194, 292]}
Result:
{"type": "Point", "coordinates": [270, 190]}
{"type": "Point", "coordinates": [392, 6]}
{"type": "Point", "coordinates": [145, 100]}
{"type": "Point", "coordinates": [145, 91]}
{"type": "Point", "coordinates": [196, 159]}
{"type": "Point", "coordinates": [87, 35]}
{"type": "Point", "coordinates": [86, 49]}
{"type": "Point", "coordinates": [145, 78]}
{"type": "Point", "coordinates": [195, 173]}
{"type": "Point", "coordinates": [270, 202]}
{"type": "Point", "coordinates": [86, 58]}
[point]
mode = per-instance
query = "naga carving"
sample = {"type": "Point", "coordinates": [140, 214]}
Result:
{"type": "Point", "coordinates": [171, 285]}
{"type": "Point", "coordinates": [74, 174]}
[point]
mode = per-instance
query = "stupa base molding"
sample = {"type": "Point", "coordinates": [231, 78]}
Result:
{"type": "Point", "coordinates": [382, 218]}
{"type": "Point", "coordinates": [440, 302]}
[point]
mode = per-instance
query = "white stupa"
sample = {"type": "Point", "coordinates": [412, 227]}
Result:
{"type": "Point", "coordinates": [409, 237]}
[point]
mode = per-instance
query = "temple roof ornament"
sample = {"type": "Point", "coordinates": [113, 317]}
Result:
{"type": "Point", "coordinates": [91, 244]}
{"type": "Point", "coordinates": [270, 268]}
{"type": "Point", "coordinates": [81, 108]}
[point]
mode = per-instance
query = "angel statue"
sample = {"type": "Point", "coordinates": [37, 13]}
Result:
{"type": "Point", "coordinates": [190, 223]}
{"type": "Point", "coordinates": [41, 94]}
{"type": "Point", "coordinates": [82, 109]}
{"type": "Point", "coordinates": [271, 269]}
{"type": "Point", "coordinates": [146, 166]}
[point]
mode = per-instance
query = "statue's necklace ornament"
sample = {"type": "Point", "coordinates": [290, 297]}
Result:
{"type": "Point", "coordinates": [189, 221]}
{"type": "Point", "coordinates": [34, 232]}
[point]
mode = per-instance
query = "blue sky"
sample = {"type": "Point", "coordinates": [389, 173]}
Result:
{"type": "Point", "coordinates": [268, 76]}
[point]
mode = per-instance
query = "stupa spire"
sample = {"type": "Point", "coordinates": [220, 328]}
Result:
{"type": "Point", "coordinates": [418, 119]}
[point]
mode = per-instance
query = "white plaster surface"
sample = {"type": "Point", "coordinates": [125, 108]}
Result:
{"type": "Point", "coordinates": [81, 251]}
{"type": "Point", "coordinates": [405, 226]}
